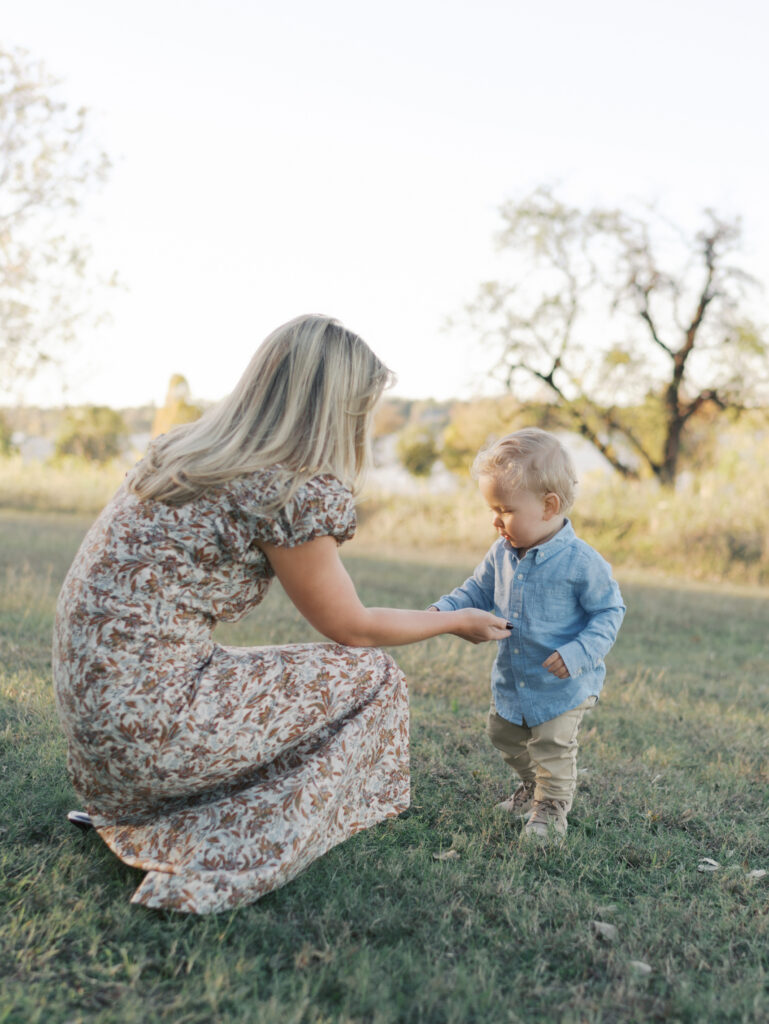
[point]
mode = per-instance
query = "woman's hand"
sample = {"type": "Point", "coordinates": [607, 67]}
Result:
{"type": "Point", "coordinates": [478, 626]}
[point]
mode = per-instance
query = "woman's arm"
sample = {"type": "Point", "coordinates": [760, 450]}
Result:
{"type": "Point", "coordinates": [314, 578]}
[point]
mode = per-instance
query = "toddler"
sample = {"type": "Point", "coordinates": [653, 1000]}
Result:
{"type": "Point", "coordinates": [564, 609]}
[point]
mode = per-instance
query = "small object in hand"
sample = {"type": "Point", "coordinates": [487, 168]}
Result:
{"type": "Point", "coordinates": [509, 625]}
{"type": "Point", "coordinates": [80, 820]}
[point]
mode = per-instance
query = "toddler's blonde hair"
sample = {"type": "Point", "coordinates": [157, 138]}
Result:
{"type": "Point", "coordinates": [530, 459]}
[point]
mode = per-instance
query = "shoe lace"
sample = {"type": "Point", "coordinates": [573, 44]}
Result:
{"type": "Point", "coordinates": [546, 809]}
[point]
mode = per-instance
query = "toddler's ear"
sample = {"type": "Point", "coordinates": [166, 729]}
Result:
{"type": "Point", "coordinates": [552, 505]}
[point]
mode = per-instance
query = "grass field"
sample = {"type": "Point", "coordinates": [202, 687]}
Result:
{"type": "Point", "coordinates": [674, 769]}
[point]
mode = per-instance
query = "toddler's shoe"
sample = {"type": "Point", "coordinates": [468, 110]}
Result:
{"type": "Point", "coordinates": [521, 800]}
{"type": "Point", "coordinates": [546, 821]}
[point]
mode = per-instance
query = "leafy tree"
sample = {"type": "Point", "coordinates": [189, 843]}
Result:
{"type": "Point", "coordinates": [630, 325]}
{"type": "Point", "coordinates": [418, 449]}
{"type": "Point", "coordinates": [47, 167]}
{"type": "Point", "coordinates": [93, 432]}
{"type": "Point", "coordinates": [474, 424]}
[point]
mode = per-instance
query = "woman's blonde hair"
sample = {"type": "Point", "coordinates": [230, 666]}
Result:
{"type": "Point", "coordinates": [303, 405]}
{"type": "Point", "coordinates": [531, 459]}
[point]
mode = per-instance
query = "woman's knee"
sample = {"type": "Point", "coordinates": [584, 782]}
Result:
{"type": "Point", "coordinates": [392, 672]}
{"type": "Point", "coordinates": [380, 671]}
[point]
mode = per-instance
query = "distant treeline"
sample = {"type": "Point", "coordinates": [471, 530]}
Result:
{"type": "Point", "coordinates": [35, 421]}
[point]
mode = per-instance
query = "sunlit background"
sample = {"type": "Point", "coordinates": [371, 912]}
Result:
{"type": "Point", "coordinates": [271, 159]}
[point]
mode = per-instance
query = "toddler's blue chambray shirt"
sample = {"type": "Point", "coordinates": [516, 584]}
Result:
{"type": "Point", "coordinates": [559, 597]}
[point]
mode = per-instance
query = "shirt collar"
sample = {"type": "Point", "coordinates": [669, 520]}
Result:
{"type": "Point", "coordinates": [541, 552]}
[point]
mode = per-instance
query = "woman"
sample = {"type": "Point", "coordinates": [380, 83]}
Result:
{"type": "Point", "coordinates": [225, 771]}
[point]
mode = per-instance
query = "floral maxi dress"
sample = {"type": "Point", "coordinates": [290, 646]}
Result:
{"type": "Point", "coordinates": [220, 771]}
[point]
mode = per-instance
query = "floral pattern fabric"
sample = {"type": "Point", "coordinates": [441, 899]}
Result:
{"type": "Point", "coordinates": [220, 771]}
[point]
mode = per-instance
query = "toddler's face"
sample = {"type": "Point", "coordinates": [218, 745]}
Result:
{"type": "Point", "coordinates": [520, 516]}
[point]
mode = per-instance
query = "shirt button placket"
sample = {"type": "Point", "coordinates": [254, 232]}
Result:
{"type": "Point", "coordinates": [520, 578]}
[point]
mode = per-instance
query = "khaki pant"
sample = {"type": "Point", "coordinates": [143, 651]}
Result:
{"type": "Point", "coordinates": [545, 754]}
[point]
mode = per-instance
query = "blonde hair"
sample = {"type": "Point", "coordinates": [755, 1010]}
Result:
{"type": "Point", "coordinates": [531, 459]}
{"type": "Point", "coordinates": [302, 406]}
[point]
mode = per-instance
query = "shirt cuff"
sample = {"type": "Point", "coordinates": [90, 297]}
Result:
{"type": "Point", "coordinates": [574, 658]}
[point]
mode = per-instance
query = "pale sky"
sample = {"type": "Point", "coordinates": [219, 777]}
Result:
{"type": "Point", "coordinates": [274, 158]}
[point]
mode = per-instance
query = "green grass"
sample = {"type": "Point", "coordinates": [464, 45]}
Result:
{"type": "Point", "coordinates": [674, 767]}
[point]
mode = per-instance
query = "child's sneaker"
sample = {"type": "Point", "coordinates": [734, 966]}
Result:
{"type": "Point", "coordinates": [547, 820]}
{"type": "Point", "coordinates": [521, 801]}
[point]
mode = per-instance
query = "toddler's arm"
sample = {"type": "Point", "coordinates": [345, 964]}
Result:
{"type": "Point", "coordinates": [476, 592]}
{"type": "Point", "coordinates": [600, 597]}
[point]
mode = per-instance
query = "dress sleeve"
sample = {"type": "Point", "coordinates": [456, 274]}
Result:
{"type": "Point", "coordinates": [321, 507]}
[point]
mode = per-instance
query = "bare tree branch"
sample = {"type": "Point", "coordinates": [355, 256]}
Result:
{"type": "Point", "coordinates": [646, 317]}
{"type": "Point", "coordinates": [610, 258]}
{"type": "Point", "coordinates": [583, 424]}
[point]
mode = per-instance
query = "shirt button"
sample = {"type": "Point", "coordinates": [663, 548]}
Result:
{"type": "Point", "coordinates": [520, 575]}
{"type": "Point", "coordinates": [515, 615]}
{"type": "Point", "coordinates": [522, 685]}
{"type": "Point", "coordinates": [516, 651]}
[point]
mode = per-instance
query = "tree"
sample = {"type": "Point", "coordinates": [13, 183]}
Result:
{"type": "Point", "coordinates": [47, 167]}
{"type": "Point", "coordinates": [668, 308]}
{"type": "Point", "coordinates": [417, 449]}
{"type": "Point", "coordinates": [7, 446]}
{"type": "Point", "coordinates": [390, 415]}
{"type": "Point", "coordinates": [474, 424]}
{"type": "Point", "coordinates": [177, 409]}
{"type": "Point", "coordinates": [93, 432]}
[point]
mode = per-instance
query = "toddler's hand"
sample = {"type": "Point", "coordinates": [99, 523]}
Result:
{"type": "Point", "coordinates": [556, 665]}
{"type": "Point", "coordinates": [478, 626]}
